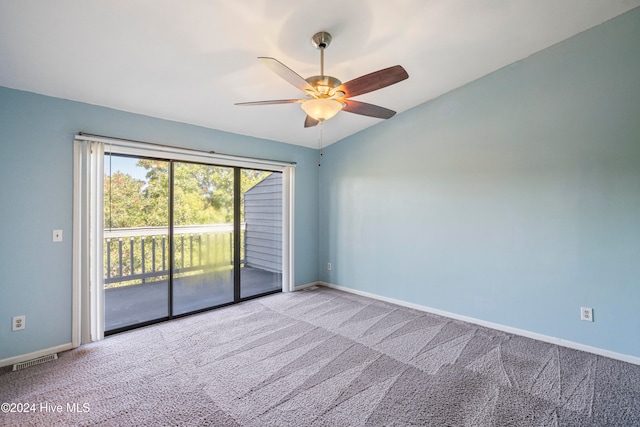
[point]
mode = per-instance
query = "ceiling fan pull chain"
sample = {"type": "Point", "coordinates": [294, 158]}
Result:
{"type": "Point", "coordinates": [320, 142]}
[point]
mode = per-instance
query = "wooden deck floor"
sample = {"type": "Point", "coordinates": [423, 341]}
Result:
{"type": "Point", "coordinates": [130, 305]}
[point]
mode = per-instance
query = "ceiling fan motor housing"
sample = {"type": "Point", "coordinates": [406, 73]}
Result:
{"type": "Point", "coordinates": [324, 84]}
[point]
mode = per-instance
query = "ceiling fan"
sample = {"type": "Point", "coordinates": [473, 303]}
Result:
{"type": "Point", "coordinates": [326, 95]}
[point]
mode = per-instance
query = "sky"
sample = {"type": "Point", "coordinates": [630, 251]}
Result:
{"type": "Point", "coordinates": [126, 165]}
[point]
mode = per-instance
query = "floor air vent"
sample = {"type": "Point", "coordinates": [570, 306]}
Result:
{"type": "Point", "coordinates": [33, 362]}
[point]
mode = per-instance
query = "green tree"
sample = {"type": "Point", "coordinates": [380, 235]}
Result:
{"type": "Point", "coordinates": [203, 194]}
{"type": "Point", "coordinates": [123, 201]}
{"type": "Point", "coordinates": [155, 194]}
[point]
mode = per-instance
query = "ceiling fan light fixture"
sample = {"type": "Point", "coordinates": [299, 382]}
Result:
{"type": "Point", "coordinates": [321, 109]}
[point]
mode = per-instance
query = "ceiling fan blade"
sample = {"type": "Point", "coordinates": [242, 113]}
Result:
{"type": "Point", "coordinates": [286, 73]}
{"type": "Point", "coordinates": [373, 81]}
{"type": "Point", "coordinates": [365, 109]}
{"type": "Point", "coordinates": [310, 121]}
{"type": "Point", "coordinates": [275, 101]}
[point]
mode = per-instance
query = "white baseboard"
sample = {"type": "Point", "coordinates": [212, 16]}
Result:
{"type": "Point", "coordinates": [34, 355]}
{"type": "Point", "coordinates": [528, 334]}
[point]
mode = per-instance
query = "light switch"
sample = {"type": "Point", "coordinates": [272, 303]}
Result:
{"type": "Point", "coordinates": [57, 235]}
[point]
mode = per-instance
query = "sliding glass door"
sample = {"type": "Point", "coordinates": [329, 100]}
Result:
{"type": "Point", "coordinates": [203, 236]}
{"type": "Point", "coordinates": [182, 237]}
{"type": "Point", "coordinates": [136, 245]}
{"type": "Point", "coordinates": [261, 218]}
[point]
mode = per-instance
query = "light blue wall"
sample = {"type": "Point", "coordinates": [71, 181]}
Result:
{"type": "Point", "coordinates": [36, 197]}
{"type": "Point", "coordinates": [513, 200]}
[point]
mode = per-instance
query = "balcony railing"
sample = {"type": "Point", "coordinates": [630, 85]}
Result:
{"type": "Point", "coordinates": [136, 255]}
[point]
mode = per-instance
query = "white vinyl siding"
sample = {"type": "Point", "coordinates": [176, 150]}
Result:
{"type": "Point", "coordinates": [263, 218]}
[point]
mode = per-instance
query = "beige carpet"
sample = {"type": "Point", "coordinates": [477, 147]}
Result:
{"type": "Point", "coordinates": [323, 358]}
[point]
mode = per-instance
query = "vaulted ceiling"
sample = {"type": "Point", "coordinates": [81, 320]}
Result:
{"type": "Point", "coordinates": [190, 61]}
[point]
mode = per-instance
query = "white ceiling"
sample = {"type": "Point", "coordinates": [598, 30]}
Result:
{"type": "Point", "coordinates": [191, 60]}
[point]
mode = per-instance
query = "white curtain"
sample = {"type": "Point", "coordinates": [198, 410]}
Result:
{"type": "Point", "coordinates": [88, 302]}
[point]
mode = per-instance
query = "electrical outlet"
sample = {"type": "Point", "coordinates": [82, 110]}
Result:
{"type": "Point", "coordinates": [586, 314]}
{"type": "Point", "coordinates": [18, 323]}
{"type": "Point", "coordinates": [328, 266]}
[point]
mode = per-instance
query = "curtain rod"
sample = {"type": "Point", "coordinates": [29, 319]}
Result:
{"type": "Point", "coordinates": [212, 153]}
